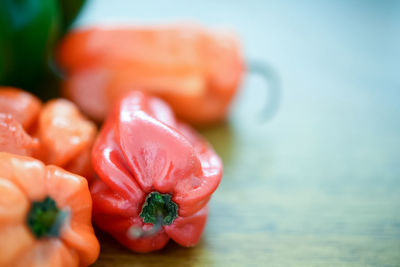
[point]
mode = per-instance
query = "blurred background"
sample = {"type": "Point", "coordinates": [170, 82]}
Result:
{"type": "Point", "coordinates": [312, 162]}
{"type": "Point", "coordinates": [318, 183]}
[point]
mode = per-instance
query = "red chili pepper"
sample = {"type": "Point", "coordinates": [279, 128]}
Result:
{"type": "Point", "coordinates": [156, 176]}
{"type": "Point", "coordinates": [196, 71]}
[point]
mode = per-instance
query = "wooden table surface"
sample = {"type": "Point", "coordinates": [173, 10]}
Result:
{"type": "Point", "coordinates": [317, 181]}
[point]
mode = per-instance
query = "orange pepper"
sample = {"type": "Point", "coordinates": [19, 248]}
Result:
{"type": "Point", "coordinates": [195, 70]}
{"type": "Point", "coordinates": [55, 133]}
{"type": "Point", "coordinates": [45, 215]}
{"type": "Point", "coordinates": [23, 106]}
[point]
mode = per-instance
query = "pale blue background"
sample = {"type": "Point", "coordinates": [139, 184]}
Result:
{"type": "Point", "coordinates": [319, 183]}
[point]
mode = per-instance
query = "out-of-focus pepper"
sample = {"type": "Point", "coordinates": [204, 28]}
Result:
{"type": "Point", "coordinates": [45, 215]}
{"type": "Point", "coordinates": [156, 176]}
{"type": "Point", "coordinates": [196, 71]}
{"type": "Point", "coordinates": [29, 30]}
{"type": "Point", "coordinates": [56, 133]}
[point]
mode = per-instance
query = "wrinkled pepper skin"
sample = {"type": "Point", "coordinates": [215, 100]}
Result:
{"type": "Point", "coordinates": [142, 149]}
{"type": "Point", "coordinates": [29, 30]}
{"type": "Point", "coordinates": [24, 181]}
{"type": "Point", "coordinates": [56, 132]}
{"type": "Point", "coordinates": [14, 139]}
{"type": "Point", "coordinates": [23, 106]}
{"type": "Point", "coordinates": [196, 71]}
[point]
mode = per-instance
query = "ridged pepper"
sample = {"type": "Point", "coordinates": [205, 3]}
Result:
{"type": "Point", "coordinates": [196, 71]}
{"type": "Point", "coordinates": [155, 176]}
{"type": "Point", "coordinates": [45, 215]}
{"type": "Point", "coordinates": [55, 132]}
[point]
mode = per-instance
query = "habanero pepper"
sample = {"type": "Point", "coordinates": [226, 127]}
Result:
{"type": "Point", "coordinates": [155, 176]}
{"type": "Point", "coordinates": [196, 71]}
{"type": "Point", "coordinates": [55, 132]}
{"type": "Point", "coordinates": [45, 215]}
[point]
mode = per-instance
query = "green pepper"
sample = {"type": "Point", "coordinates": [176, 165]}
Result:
{"type": "Point", "coordinates": [29, 29]}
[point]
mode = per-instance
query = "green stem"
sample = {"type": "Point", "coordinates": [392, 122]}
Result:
{"type": "Point", "coordinates": [159, 210]}
{"type": "Point", "coordinates": [45, 219]}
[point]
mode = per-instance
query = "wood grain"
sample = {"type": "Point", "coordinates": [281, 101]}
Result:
{"type": "Point", "coordinates": [319, 183]}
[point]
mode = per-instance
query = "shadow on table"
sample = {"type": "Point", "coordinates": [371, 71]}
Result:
{"type": "Point", "coordinates": [114, 254]}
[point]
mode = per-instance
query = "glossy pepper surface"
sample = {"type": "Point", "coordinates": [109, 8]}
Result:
{"type": "Point", "coordinates": [196, 71]}
{"type": "Point", "coordinates": [55, 132]}
{"type": "Point", "coordinates": [29, 30]}
{"type": "Point", "coordinates": [45, 215]}
{"type": "Point", "coordinates": [153, 172]}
